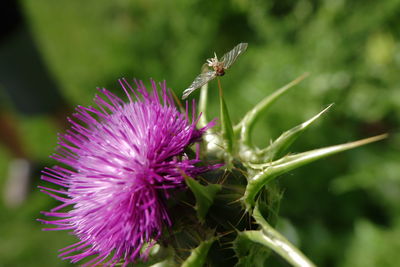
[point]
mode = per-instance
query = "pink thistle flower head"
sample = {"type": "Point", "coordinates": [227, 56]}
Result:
{"type": "Point", "coordinates": [122, 166]}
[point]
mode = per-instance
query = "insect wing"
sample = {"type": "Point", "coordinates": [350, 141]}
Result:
{"type": "Point", "coordinates": [231, 56]}
{"type": "Point", "coordinates": [200, 80]}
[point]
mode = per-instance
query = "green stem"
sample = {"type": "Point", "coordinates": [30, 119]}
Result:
{"type": "Point", "coordinates": [271, 238]}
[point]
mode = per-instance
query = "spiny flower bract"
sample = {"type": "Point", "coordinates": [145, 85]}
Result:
{"type": "Point", "coordinates": [123, 160]}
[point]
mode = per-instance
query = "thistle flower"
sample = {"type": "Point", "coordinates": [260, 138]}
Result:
{"type": "Point", "coordinates": [121, 169]}
{"type": "Point", "coordinates": [130, 156]}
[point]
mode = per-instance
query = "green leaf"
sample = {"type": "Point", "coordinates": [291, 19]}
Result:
{"type": "Point", "coordinates": [286, 139]}
{"type": "Point", "coordinates": [226, 126]}
{"type": "Point", "coordinates": [204, 196]}
{"type": "Point", "coordinates": [270, 170]}
{"type": "Point", "coordinates": [198, 256]}
{"type": "Point", "coordinates": [272, 239]}
{"type": "Point", "coordinates": [245, 126]}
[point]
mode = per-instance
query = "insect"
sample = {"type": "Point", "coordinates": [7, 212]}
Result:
{"type": "Point", "coordinates": [219, 68]}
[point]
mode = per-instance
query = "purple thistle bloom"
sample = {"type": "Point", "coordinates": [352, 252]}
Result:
{"type": "Point", "coordinates": [123, 165]}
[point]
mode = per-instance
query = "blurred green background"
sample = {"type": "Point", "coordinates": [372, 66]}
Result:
{"type": "Point", "coordinates": [344, 210]}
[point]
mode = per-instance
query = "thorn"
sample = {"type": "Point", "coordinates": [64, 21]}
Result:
{"type": "Point", "coordinates": [224, 177]}
{"type": "Point", "coordinates": [234, 201]}
{"type": "Point", "coordinates": [187, 203]}
{"type": "Point", "coordinates": [241, 218]}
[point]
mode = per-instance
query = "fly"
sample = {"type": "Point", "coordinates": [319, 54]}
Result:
{"type": "Point", "coordinates": [219, 68]}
